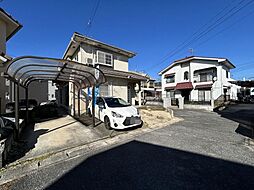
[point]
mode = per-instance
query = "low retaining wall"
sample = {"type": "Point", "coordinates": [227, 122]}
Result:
{"type": "Point", "coordinates": [201, 107]}
{"type": "Point", "coordinates": [155, 103]}
{"type": "Point", "coordinates": [5, 146]}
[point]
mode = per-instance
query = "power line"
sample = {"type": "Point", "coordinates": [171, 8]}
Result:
{"type": "Point", "coordinates": [208, 29]}
{"type": "Point", "coordinates": [196, 33]}
{"type": "Point", "coordinates": [230, 26]}
{"type": "Point", "coordinates": [91, 19]}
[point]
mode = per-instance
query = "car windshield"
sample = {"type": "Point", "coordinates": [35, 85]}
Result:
{"type": "Point", "coordinates": [116, 102]}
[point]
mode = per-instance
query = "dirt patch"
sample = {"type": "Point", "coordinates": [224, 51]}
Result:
{"type": "Point", "coordinates": [156, 116]}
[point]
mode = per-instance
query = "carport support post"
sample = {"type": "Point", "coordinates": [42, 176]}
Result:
{"type": "Point", "coordinates": [79, 91]}
{"type": "Point", "coordinates": [73, 99]}
{"type": "Point", "coordinates": [17, 109]}
{"type": "Point", "coordinates": [93, 105]}
{"type": "Point", "coordinates": [26, 89]}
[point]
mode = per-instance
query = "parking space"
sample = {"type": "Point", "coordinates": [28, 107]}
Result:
{"type": "Point", "coordinates": [54, 135]}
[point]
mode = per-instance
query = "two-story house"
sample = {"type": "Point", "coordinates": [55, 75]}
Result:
{"type": "Point", "coordinates": [8, 28]}
{"type": "Point", "coordinates": [198, 79]}
{"type": "Point", "coordinates": [151, 88]}
{"type": "Point", "coordinates": [112, 61]}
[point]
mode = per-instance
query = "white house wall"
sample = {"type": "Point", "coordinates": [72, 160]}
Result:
{"type": "Point", "coordinates": [217, 87]}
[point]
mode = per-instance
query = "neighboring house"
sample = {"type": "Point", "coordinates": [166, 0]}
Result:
{"type": "Point", "coordinates": [199, 79]}
{"type": "Point", "coordinates": [151, 88]}
{"type": "Point", "coordinates": [112, 61]}
{"type": "Point", "coordinates": [8, 27]}
{"type": "Point", "coordinates": [52, 89]}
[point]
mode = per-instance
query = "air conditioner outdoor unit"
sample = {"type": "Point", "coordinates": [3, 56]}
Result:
{"type": "Point", "coordinates": [89, 61]}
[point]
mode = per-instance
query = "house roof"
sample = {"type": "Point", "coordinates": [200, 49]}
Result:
{"type": "Point", "coordinates": [77, 39]}
{"type": "Point", "coordinates": [13, 26]}
{"type": "Point", "coordinates": [123, 74]}
{"type": "Point", "coordinates": [190, 58]}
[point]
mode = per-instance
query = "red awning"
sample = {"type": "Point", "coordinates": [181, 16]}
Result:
{"type": "Point", "coordinates": [170, 88]}
{"type": "Point", "coordinates": [203, 86]}
{"type": "Point", "coordinates": [168, 75]}
{"type": "Point", "coordinates": [184, 85]}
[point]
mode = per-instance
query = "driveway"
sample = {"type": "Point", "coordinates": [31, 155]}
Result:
{"type": "Point", "coordinates": [201, 152]}
{"type": "Point", "coordinates": [243, 114]}
{"type": "Point", "coordinates": [204, 133]}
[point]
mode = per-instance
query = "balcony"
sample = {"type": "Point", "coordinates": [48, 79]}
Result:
{"type": "Point", "coordinates": [204, 75]}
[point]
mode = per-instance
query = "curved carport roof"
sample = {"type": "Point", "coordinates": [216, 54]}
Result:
{"type": "Point", "coordinates": [26, 69]}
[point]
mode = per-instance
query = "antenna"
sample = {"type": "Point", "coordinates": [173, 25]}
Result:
{"type": "Point", "coordinates": [191, 51]}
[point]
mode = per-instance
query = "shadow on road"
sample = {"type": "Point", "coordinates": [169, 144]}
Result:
{"type": "Point", "coordinates": [138, 165]}
{"type": "Point", "coordinates": [242, 114]}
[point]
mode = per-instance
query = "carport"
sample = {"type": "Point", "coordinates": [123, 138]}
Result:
{"type": "Point", "coordinates": [24, 70]}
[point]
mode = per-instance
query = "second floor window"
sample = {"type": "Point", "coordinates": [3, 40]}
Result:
{"type": "Point", "coordinates": [205, 77]}
{"type": "Point", "coordinates": [170, 79]}
{"type": "Point", "coordinates": [186, 75]}
{"type": "Point", "coordinates": [104, 58]}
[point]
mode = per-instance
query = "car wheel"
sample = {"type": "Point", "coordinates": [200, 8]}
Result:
{"type": "Point", "coordinates": [107, 123]}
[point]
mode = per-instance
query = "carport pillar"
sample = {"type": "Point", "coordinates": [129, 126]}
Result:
{"type": "Point", "coordinates": [79, 91]}
{"type": "Point", "coordinates": [17, 110]}
{"type": "Point", "coordinates": [26, 91]}
{"type": "Point", "coordinates": [93, 105]}
{"type": "Point", "coordinates": [73, 95]}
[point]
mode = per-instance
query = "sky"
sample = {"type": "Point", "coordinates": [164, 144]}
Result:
{"type": "Point", "coordinates": [151, 28]}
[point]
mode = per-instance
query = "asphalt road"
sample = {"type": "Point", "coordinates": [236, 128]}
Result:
{"type": "Point", "coordinates": [201, 152]}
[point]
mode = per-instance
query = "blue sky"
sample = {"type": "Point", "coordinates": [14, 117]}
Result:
{"type": "Point", "coordinates": [152, 28]}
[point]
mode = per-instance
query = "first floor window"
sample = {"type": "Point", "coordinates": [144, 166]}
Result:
{"type": "Point", "coordinates": [204, 95]}
{"type": "Point", "coordinates": [170, 94]}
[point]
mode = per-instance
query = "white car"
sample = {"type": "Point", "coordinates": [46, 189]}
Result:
{"type": "Point", "coordinates": [116, 113]}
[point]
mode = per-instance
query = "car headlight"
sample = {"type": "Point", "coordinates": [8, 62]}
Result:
{"type": "Point", "coordinates": [114, 114]}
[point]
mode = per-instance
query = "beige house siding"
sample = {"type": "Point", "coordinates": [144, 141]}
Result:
{"type": "Point", "coordinates": [120, 62]}
{"type": "Point", "coordinates": [118, 87]}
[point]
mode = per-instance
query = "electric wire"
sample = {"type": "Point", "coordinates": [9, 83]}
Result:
{"type": "Point", "coordinates": [208, 29]}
